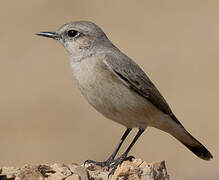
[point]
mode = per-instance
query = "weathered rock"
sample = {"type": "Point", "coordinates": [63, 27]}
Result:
{"type": "Point", "coordinates": [136, 169]}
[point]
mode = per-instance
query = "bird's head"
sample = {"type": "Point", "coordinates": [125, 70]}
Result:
{"type": "Point", "coordinates": [79, 37]}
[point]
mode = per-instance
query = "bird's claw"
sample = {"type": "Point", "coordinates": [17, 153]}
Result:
{"type": "Point", "coordinates": [101, 164]}
{"type": "Point", "coordinates": [111, 163]}
{"type": "Point", "coordinates": [118, 162]}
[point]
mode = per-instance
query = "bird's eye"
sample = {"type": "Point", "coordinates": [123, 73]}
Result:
{"type": "Point", "coordinates": [72, 33]}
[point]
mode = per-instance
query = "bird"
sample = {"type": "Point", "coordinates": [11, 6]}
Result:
{"type": "Point", "coordinates": [118, 88]}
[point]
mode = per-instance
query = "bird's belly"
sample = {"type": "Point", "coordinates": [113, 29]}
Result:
{"type": "Point", "coordinates": [108, 95]}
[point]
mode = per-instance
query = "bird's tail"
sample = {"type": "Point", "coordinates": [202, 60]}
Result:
{"type": "Point", "coordinates": [196, 147]}
{"type": "Point", "coordinates": [177, 130]}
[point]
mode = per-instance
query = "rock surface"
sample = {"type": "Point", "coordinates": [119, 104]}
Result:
{"type": "Point", "coordinates": [129, 170]}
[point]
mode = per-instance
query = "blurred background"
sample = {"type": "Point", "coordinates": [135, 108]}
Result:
{"type": "Point", "coordinates": [43, 116]}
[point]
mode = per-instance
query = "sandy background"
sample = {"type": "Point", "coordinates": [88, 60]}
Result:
{"type": "Point", "coordinates": [44, 118]}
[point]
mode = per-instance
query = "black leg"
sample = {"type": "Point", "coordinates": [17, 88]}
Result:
{"type": "Point", "coordinates": [125, 154]}
{"type": "Point", "coordinates": [140, 131]}
{"type": "Point", "coordinates": [112, 156]}
{"type": "Point", "coordinates": [120, 144]}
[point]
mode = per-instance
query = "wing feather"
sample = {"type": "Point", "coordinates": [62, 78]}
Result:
{"type": "Point", "coordinates": [135, 78]}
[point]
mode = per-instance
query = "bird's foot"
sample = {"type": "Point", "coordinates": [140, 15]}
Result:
{"type": "Point", "coordinates": [118, 162]}
{"type": "Point", "coordinates": [101, 164]}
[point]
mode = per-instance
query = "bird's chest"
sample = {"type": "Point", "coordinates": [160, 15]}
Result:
{"type": "Point", "coordinates": [98, 85]}
{"type": "Point", "coordinates": [108, 95]}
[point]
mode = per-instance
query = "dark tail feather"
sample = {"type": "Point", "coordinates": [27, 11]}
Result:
{"type": "Point", "coordinates": [193, 144]}
{"type": "Point", "coordinates": [176, 129]}
{"type": "Point", "coordinates": [199, 150]}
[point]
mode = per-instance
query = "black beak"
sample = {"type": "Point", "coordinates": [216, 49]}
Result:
{"type": "Point", "coordinates": [52, 35]}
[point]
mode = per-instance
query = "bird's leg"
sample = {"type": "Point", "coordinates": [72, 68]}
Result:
{"type": "Point", "coordinates": [125, 154]}
{"type": "Point", "coordinates": [112, 156]}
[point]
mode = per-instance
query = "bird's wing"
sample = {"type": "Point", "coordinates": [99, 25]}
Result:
{"type": "Point", "coordinates": [134, 78]}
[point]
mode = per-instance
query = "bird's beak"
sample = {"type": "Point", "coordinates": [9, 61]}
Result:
{"type": "Point", "coordinates": [52, 35]}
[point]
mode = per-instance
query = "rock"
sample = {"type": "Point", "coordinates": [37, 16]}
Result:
{"type": "Point", "coordinates": [9, 172]}
{"type": "Point", "coordinates": [29, 172]}
{"type": "Point", "coordinates": [136, 169]}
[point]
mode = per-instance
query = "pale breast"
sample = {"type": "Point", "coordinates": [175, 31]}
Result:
{"type": "Point", "coordinates": [108, 95]}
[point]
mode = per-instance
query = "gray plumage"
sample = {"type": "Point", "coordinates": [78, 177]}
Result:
{"type": "Point", "coordinates": [116, 86]}
{"type": "Point", "coordinates": [135, 79]}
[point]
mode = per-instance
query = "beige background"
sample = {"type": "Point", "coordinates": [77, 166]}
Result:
{"type": "Point", "coordinates": [44, 118]}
